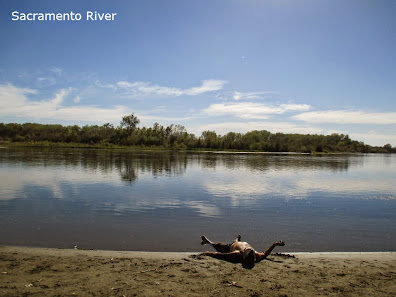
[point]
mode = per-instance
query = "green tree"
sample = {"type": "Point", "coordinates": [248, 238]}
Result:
{"type": "Point", "coordinates": [130, 122]}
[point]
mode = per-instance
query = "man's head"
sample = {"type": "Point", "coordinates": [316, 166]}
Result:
{"type": "Point", "coordinates": [249, 258]}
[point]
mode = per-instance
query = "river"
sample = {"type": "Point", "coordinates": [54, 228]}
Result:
{"type": "Point", "coordinates": [164, 201]}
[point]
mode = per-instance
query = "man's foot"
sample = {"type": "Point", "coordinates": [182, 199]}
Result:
{"type": "Point", "coordinates": [204, 240]}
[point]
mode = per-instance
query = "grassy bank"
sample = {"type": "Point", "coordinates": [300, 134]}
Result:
{"type": "Point", "coordinates": [110, 146]}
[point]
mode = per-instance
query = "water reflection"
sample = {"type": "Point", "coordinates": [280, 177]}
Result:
{"type": "Point", "coordinates": [181, 195]}
{"type": "Point", "coordinates": [222, 175]}
{"type": "Point", "coordinates": [241, 178]}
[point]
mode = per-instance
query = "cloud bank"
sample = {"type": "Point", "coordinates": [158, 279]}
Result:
{"type": "Point", "coordinates": [274, 127]}
{"type": "Point", "coordinates": [348, 117]}
{"type": "Point", "coordinates": [249, 110]}
{"type": "Point", "coordinates": [251, 95]}
{"type": "Point", "coordinates": [15, 102]}
{"type": "Point", "coordinates": [147, 88]}
{"type": "Point", "coordinates": [240, 112]}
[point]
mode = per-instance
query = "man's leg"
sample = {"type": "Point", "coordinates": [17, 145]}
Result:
{"type": "Point", "coordinates": [220, 247]}
{"type": "Point", "coordinates": [234, 257]}
{"type": "Point", "coordinates": [237, 239]}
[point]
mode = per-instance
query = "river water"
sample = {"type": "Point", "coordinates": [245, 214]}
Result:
{"type": "Point", "coordinates": [164, 201]}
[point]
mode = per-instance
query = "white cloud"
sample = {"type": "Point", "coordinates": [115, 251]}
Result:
{"type": "Point", "coordinates": [13, 94]}
{"type": "Point", "coordinates": [15, 102]}
{"type": "Point", "coordinates": [348, 117]}
{"type": "Point", "coordinates": [374, 138]}
{"type": "Point", "coordinates": [274, 127]}
{"type": "Point", "coordinates": [249, 110]}
{"type": "Point", "coordinates": [59, 96]}
{"type": "Point", "coordinates": [209, 85]}
{"type": "Point", "coordinates": [250, 95]}
{"type": "Point", "coordinates": [295, 107]}
{"type": "Point", "coordinates": [147, 88]}
{"type": "Point", "coordinates": [56, 70]}
{"type": "Point", "coordinates": [154, 118]}
{"type": "Point", "coordinates": [13, 98]}
{"type": "Point", "coordinates": [90, 113]}
{"type": "Point", "coordinates": [45, 81]}
{"type": "Point", "coordinates": [105, 86]}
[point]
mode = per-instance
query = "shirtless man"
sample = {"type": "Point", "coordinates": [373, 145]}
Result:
{"type": "Point", "coordinates": [238, 251]}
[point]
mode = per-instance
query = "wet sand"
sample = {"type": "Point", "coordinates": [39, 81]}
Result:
{"type": "Point", "coordinates": [61, 272]}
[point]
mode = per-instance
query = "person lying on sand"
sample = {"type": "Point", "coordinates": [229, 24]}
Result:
{"type": "Point", "coordinates": [238, 251]}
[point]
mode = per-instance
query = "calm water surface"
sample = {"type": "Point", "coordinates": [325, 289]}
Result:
{"type": "Point", "coordinates": [164, 201]}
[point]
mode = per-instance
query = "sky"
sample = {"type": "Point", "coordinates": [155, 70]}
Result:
{"type": "Point", "coordinates": [290, 66]}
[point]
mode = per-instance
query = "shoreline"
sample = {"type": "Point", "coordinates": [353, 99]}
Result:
{"type": "Point", "coordinates": [73, 272]}
{"type": "Point", "coordinates": [76, 145]}
{"type": "Point", "coordinates": [132, 253]}
{"type": "Point", "coordinates": [50, 251]}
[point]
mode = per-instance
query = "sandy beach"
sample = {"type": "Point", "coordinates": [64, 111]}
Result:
{"type": "Point", "coordinates": [66, 272]}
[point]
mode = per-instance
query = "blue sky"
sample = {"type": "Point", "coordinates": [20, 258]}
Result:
{"type": "Point", "coordinates": [318, 67]}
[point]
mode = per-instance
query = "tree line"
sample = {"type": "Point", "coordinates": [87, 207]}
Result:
{"type": "Point", "coordinates": [176, 137]}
